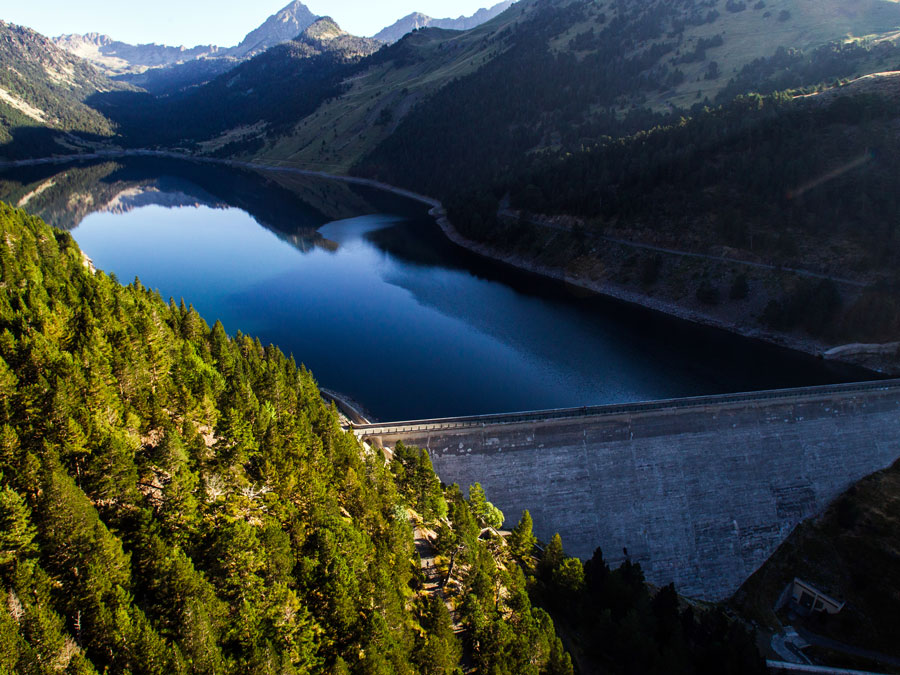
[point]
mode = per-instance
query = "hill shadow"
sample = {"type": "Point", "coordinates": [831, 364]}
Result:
{"type": "Point", "coordinates": [30, 142]}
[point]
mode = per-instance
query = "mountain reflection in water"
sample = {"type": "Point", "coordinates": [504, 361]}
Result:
{"type": "Point", "coordinates": [363, 288]}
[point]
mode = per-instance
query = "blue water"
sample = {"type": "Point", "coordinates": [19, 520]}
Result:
{"type": "Point", "coordinates": [383, 308]}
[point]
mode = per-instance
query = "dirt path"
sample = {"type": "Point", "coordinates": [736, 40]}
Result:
{"type": "Point", "coordinates": [434, 582]}
{"type": "Point", "coordinates": [543, 222]}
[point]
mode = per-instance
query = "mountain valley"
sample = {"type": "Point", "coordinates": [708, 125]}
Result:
{"type": "Point", "coordinates": [709, 189]}
{"type": "Point", "coordinates": [546, 80]}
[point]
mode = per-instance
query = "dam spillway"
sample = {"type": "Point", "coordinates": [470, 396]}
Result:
{"type": "Point", "coordinates": [699, 491]}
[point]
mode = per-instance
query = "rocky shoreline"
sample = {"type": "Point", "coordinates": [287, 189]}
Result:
{"type": "Point", "coordinates": [879, 359]}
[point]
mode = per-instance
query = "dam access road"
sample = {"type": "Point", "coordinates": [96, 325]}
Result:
{"type": "Point", "coordinates": [699, 491]}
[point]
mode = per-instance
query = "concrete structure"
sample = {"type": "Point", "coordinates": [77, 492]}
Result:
{"type": "Point", "coordinates": [811, 599]}
{"type": "Point", "coordinates": [700, 491]}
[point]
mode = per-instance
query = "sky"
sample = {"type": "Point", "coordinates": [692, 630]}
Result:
{"type": "Point", "coordinates": [223, 23]}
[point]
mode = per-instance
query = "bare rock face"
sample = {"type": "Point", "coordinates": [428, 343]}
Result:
{"type": "Point", "coordinates": [401, 27]}
{"type": "Point", "coordinates": [323, 30]}
{"type": "Point", "coordinates": [280, 27]}
{"type": "Point", "coordinates": [114, 57]}
{"type": "Point", "coordinates": [326, 36]}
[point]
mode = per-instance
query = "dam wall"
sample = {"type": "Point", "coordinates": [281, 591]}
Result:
{"type": "Point", "coordinates": [699, 491]}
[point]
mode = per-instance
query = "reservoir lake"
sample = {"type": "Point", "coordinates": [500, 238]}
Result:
{"type": "Point", "coordinates": [362, 287]}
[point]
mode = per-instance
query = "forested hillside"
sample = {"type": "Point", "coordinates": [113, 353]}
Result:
{"type": "Point", "coordinates": [567, 75]}
{"type": "Point", "coordinates": [44, 88]}
{"type": "Point", "coordinates": [769, 215]}
{"type": "Point", "coordinates": [175, 500]}
{"type": "Point", "coordinates": [258, 98]}
{"type": "Point", "coordinates": [795, 184]}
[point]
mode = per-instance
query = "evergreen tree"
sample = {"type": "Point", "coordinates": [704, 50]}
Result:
{"type": "Point", "coordinates": [16, 531]}
{"type": "Point", "coordinates": [522, 540]}
{"type": "Point", "coordinates": [482, 509]}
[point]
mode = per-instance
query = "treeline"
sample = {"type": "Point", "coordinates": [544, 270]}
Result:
{"type": "Point", "coordinates": [173, 500]}
{"type": "Point", "coordinates": [539, 94]}
{"type": "Point", "coordinates": [796, 69]}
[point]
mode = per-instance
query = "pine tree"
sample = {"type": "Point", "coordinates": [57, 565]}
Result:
{"type": "Point", "coordinates": [16, 531]}
{"type": "Point", "coordinates": [552, 558]}
{"type": "Point", "coordinates": [522, 539]}
{"type": "Point", "coordinates": [482, 509]}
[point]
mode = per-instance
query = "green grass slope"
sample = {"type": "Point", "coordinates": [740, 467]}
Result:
{"type": "Point", "coordinates": [573, 73]}
{"type": "Point", "coordinates": [385, 88]}
{"type": "Point", "coordinates": [560, 71]}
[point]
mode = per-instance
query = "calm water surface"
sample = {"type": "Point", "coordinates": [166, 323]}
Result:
{"type": "Point", "coordinates": [362, 287]}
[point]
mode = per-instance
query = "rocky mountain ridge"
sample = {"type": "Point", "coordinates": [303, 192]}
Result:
{"type": "Point", "coordinates": [417, 20]}
{"type": "Point", "coordinates": [264, 95]}
{"type": "Point", "coordinates": [282, 26]}
{"type": "Point", "coordinates": [114, 57]}
{"type": "Point", "coordinates": [121, 59]}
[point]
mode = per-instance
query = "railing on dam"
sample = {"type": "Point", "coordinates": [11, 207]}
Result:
{"type": "Point", "coordinates": [470, 421]}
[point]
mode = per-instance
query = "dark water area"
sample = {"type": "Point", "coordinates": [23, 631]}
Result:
{"type": "Point", "coordinates": [362, 287]}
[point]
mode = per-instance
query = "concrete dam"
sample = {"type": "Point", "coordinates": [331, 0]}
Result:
{"type": "Point", "coordinates": [700, 491]}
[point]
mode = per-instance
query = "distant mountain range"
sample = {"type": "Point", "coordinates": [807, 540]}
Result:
{"type": "Point", "coordinates": [550, 74]}
{"type": "Point", "coordinates": [264, 95]}
{"type": "Point", "coordinates": [418, 20]}
{"type": "Point", "coordinates": [113, 57]}
{"type": "Point", "coordinates": [119, 58]}
{"type": "Point", "coordinates": [162, 69]}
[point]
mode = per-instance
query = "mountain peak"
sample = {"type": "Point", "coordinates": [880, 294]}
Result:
{"type": "Point", "coordinates": [282, 26]}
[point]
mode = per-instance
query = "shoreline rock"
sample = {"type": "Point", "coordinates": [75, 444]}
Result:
{"type": "Point", "coordinates": [808, 346]}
